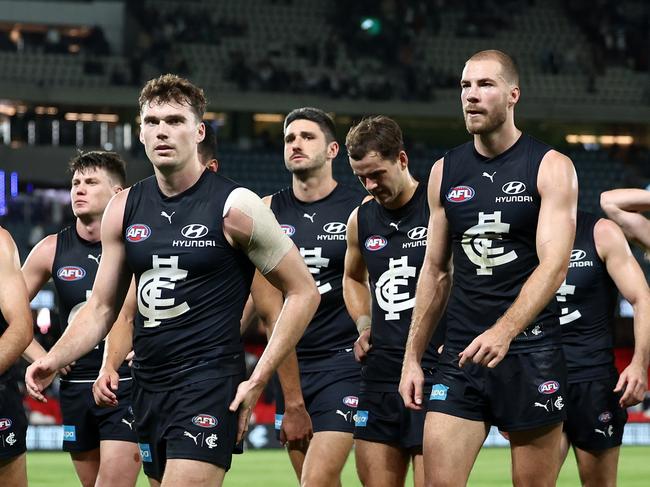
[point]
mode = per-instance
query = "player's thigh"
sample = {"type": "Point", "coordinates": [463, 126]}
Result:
{"type": "Point", "coordinates": [417, 461]}
{"type": "Point", "coordinates": [86, 464]}
{"type": "Point", "coordinates": [380, 464]}
{"type": "Point", "coordinates": [451, 445]}
{"type": "Point", "coordinates": [13, 471]}
{"type": "Point", "coordinates": [535, 455]}
{"type": "Point", "coordinates": [326, 456]}
{"type": "Point", "coordinates": [180, 471]}
{"type": "Point", "coordinates": [120, 463]}
{"type": "Point", "coordinates": [598, 468]}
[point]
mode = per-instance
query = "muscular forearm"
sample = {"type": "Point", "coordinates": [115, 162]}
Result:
{"type": "Point", "coordinates": [12, 343]}
{"type": "Point", "coordinates": [642, 332]}
{"type": "Point", "coordinates": [289, 374]}
{"type": "Point", "coordinates": [430, 302]}
{"type": "Point", "coordinates": [34, 351]}
{"type": "Point", "coordinates": [119, 342]}
{"type": "Point", "coordinates": [357, 298]}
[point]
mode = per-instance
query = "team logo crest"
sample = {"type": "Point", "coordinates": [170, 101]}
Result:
{"type": "Point", "coordinates": [288, 230]}
{"type": "Point", "coordinates": [164, 274]}
{"type": "Point", "coordinates": [138, 232]}
{"type": "Point", "coordinates": [71, 273]}
{"type": "Point", "coordinates": [387, 289]}
{"type": "Point", "coordinates": [459, 194]}
{"type": "Point", "coordinates": [376, 242]}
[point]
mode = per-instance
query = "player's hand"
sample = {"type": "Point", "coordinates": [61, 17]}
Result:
{"type": "Point", "coordinates": [129, 357]}
{"type": "Point", "coordinates": [487, 349]}
{"type": "Point", "coordinates": [105, 387]}
{"type": "Point", "coordinates": [296, 428]}
{"type": "Point", "coordinates": [362, 345]}
{"type": "Point", "coordinates": [632, 383]}
{"type": "Point", "coordinates": [39, 376]}
{"type": "Point", "coordinates": [247, 395]}
{"type": "Point", "coordinates": [66, 370]}
{"type": "Point", "coordinates": [411, 384]}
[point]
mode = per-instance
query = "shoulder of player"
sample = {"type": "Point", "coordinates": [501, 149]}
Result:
{"type": "Point", "coordinates": [608, 238]}
{"type": "Point", "coordinates": [555, 171]}
{"type": "Point", "coordinates": [47, 246]}
{"type": "Point", "coordinates": [7, 245]}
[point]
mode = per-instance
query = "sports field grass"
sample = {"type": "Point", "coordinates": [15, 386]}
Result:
{"type": "Point", "coordinates": [271, 468]}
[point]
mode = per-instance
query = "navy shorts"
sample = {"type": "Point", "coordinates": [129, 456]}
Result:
{"type": "Point", "coordinates": [85, 424]}
{"type": "Point", "coordinates": [13, 422]}
{"type": "Point", "coordinates": [382, 418]}
{"type": "Point", "coordinates": [595, 420]}
{"type": "Point", "coordinates": [190, 422]}
{"type": "Point", "coordinates": [330, 396]}
{"type": "Point", "coordinates": [525, 391]}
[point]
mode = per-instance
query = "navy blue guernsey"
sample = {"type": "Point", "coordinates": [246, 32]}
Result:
{"type": "Point", "coordinates": [73, 271]}
{"type": "Point", "coordinates": [192, 285]}
{"type": "Point", "coordinates": [587, 300]}
{"type": "Point", "coordinates": [492, 206]}
{"type": "Point", "coordinates": [318, 230]}
{"type": "Point", "coordinates": [393, 244]}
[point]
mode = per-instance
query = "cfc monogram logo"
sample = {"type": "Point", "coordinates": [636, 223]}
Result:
{"type": "Point", "coordinates": [561, 295]}
{"type": "Point", "coordinates": [387, 292]}
{"type": "Point", "coordinates": [163, 275]}
{"type": "Point", "coordinates": [478, 243]}
{"type": "Point", "coordinates": [315, 262]}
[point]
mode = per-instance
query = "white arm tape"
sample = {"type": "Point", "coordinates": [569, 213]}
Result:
{"type": "Point", "coordinates": [268, 243]}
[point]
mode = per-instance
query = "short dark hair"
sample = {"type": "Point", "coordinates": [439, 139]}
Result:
{"type": "Point", "coordinates": [316, 115]}
{"type": "Point", "coordinates": [170, 87]}
{"type": "Point", "coordinates": [379, 134]}
{"type": "Point", "coordinates": [111, 162]}
{"type": "Point", "coordinates": [208, 146]}
{"type": "Point", "coordinates": [509, 69]}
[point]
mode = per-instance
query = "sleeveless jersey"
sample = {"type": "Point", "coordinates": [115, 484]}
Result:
{"type": "Point", "coordinates": [191, 283]}
{"type": "Point", "coordinates": [73, 271]}
{"type": "Point", "coordinates": [318, 230]}
{"type": "Point", "coordinates": [393, 244]}
{"type": "Point", "coordinates": [587, 300]}
{"type": "Point", "coordinates": [492, 206]}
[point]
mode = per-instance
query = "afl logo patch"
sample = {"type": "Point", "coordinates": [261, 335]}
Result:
{"type": "Point", "coordinates": [549, 387]}
{"type": "Point", "coordinates": [459, 194]}
{"type": "Point", "coordinates": [5, 424]}
{"type": "Point", "coordinates": [376, 242]}
{"type": "Point", "coordinates": [138, 232]}
{"type": "Point", "coordinates": [205, 421]}
{"type": "Point", "coordinates": [288, 230]}
{"type": "Point", "coordinates": [71, 273]}
{"type": "Point", "coordinates": [351, 401]}
{"type": "Point", "coordinates": [335, 227]}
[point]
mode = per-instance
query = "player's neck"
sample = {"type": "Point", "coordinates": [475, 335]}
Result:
{"type": "Point", "coordinates": [313, 187]}
{"type": "Point", "coordinates": [89, 228]}
{"type": "Point", "coordinates": [497, 142]}
{"type": "Point", "coordinates": [405, 195]}
{"type": "Point", "coordinates": [173, 181]}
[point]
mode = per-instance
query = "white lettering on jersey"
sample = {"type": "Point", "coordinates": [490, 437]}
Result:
{"type": "Point", "coordinates": [386, 290]}
{"type": "Point", "coordinates": [561, 294]}
{"type": "Point", "coordinates": [478, 243]}
{"type": "Point", "coordinates": [163, 275]}
{"type": "Point", "coordinates": [315, 261]}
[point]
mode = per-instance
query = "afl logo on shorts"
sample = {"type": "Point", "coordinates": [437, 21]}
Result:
{"type": "Point", "coordinates": [605, 417]}
{"type": "Point", "coordinates": [351, 401]}
{"type": "Point", "coordinates": [71, 273]}
{"type": "Point", "coordinates": [549, 387]}
{"type": "Point", "coordinates": [5, 424]}
{"type": "Point", "coordinates": [459, 194]}
{"type": "Point", "coordinates": [376, 242]}
{"type": "Point", "coordinates": [205, 421]}
{"type": "Point", "coordinates": [138, 232]}
{"type": "Point", "coordinates": [288, 230]}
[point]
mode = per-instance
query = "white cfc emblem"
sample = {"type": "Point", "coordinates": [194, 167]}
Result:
{"type": "Point", "coordinates": [387, 292]}
{"type": "Point", "coordinates": [315, 261]}
{"type": "Point", "coordinates": [211, 441]}
{"type": "Point", "coordinates": [163, 275]}
{"type": "Point", "coordinates": [478, 243]}
{"type": "Point", "coordinates": [561, 294]}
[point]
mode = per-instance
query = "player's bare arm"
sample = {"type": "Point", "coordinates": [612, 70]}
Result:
{"type": "Point", "coordinates": [631, 283]}
{"type": "Point", "coordinates": [624, 207]}
{"type": "Point", "coordinates": [356, 292]}
{"type": "Point", "coordinates": [14, 304]}
{"type": "Point", "coordinates": [118, 344]}
{"type": "Point", "coordinates": [251, 226]}
{"type": "Point", "coordinates": [557, 185]}
{"type": "Point", "coordinates": [431, 294]}
{"type": "Point", "coordinates": [94, 320]}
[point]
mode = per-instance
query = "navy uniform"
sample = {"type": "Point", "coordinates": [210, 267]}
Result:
{"type": "Point", "coordinates": [587, 300]}
{"type": "Point", "coordinates": [13, 422]}
{"type": "Point", "coordinates": [329, 375]}
{"type": "Point", "coordinates": [191, 289]}
{"type": "Point", "coordinates": [492, 206]}
{"type": "Point", "coordinates": [392, 244]}
{"type": "Point", "coordinates": [84, 423]}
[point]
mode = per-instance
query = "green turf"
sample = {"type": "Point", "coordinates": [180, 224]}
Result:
{"type": "Point", "coordinates": [271, 468]}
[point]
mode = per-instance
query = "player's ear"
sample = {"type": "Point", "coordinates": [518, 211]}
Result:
{"type": "Point", "coordinates": [513, 96]}
{"type": "Point", "coordinates": [332, 149]}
